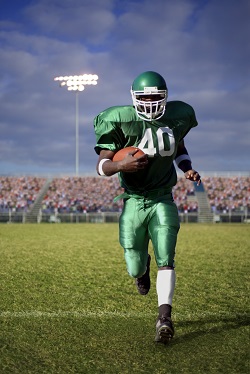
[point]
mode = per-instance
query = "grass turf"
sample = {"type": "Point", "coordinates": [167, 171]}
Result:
{"type": "Point", "coordinates": [68, 306]}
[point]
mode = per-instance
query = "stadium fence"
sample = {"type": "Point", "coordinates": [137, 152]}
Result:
{"type": "Point", "coordinates": [113, 217]}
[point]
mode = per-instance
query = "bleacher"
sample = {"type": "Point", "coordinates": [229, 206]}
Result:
{"type": "Point", "coordinates": [39, 196]}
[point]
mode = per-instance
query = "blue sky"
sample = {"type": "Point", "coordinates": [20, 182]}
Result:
{"type": "Point", "coordinates": [201, 47]}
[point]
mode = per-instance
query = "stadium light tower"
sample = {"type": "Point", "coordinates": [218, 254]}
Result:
{"type": "Point", "coordinates": [77, 83]}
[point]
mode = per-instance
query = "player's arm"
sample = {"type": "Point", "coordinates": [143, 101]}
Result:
{"type": "Point", "coordinates": [106, 167]}
{"type": "Point", "coordinates": [184, 163]}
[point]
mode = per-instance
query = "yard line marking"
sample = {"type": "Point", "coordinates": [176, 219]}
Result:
{"type": "Point", "coordinates": [37, 314]}
{"type": "Point", "coordinates": [107, 314]}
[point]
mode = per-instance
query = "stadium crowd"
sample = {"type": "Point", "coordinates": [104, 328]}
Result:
{"type": "Point", "coordinates": [96, 194]}
{"type": "Point", "coordinates": [82, 195]}
{"type": "Point", "coordinates": [19, 193]}
{"type": "Point", "coordinates": [228, 194]}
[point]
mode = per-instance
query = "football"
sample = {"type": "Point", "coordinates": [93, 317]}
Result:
{"type": "Point", "coordinates": [123, 153]}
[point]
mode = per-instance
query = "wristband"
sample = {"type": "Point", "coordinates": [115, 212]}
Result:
{"type": "Point", "coordinates": [182, 158]}
{"type": "Point", "coordinates": [100, 171]}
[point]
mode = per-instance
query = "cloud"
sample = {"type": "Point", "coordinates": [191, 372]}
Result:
{"type": "Point", "coordinates": [88, 21]}
{"type": "Point", "coordinates": [199, 47]}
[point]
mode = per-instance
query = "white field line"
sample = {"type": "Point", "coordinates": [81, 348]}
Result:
{"type": "Point", "coordinates": [105, 314]}
{"type": "Point", "coordinates": [63, 314]}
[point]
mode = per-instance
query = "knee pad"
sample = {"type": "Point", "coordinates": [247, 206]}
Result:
{"type": "Point", "coordinates": [136, 263]}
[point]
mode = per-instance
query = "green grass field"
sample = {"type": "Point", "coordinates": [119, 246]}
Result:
{"type": "Point", "coordinates": [68, 306]}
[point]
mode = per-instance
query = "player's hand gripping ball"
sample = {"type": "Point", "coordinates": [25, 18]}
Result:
{"type": "Point", "coordinates": [122, 153]}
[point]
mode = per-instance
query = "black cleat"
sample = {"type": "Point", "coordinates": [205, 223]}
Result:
{"type": "Point", "coordinates": [164, 330]}
{"type": "Point", "coordinates": [143, 283]}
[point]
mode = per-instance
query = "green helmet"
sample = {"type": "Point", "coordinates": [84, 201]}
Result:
{"type": "Point", "coordinates": [149, 94]}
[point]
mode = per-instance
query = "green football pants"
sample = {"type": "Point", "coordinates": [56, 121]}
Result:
{"type": "Point", "coordinates": [143, 220]}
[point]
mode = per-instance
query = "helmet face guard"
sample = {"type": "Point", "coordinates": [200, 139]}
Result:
{"type": "Point", "coordinates": [149, 94]}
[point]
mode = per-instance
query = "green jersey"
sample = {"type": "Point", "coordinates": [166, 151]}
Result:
{"type": "Point", "coordinates": [119, 127]}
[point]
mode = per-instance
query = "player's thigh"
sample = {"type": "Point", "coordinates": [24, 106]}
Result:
{"type": "Point", "coordinates": [133, 238]}
{"type": "Point", "coordinates": [163, 227]}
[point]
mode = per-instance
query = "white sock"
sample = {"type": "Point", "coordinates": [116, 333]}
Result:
{"type": "Point", "coordinates": [165, 284]}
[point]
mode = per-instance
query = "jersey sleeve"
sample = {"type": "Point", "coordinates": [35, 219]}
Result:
{"type": "Point", "coordinates": [189, 123]}
{"type": "Point", "coordinates": [193, 120]}
{"type": "Point", "coordinates": [108, 133]}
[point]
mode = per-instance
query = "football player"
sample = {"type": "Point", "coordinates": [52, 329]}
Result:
{"type": "Point", "coordinates": [157, 127]}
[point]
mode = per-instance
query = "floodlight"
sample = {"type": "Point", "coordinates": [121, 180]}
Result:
{"type": "Point", "coordinates": [77, 83]}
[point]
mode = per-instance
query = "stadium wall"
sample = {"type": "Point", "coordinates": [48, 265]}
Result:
{"type": "Point", "coordinates": [113, 217]}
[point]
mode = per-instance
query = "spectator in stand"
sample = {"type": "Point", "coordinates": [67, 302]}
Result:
{"type": "Point", "coordinates": [88, 194]}
{"type": "Point", "coordinates": [18, 194]}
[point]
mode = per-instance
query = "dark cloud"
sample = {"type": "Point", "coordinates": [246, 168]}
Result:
{"type": "Point", "coordinates": [86, 21]}
{"type": "Point", "coordinates": [199, 47]}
